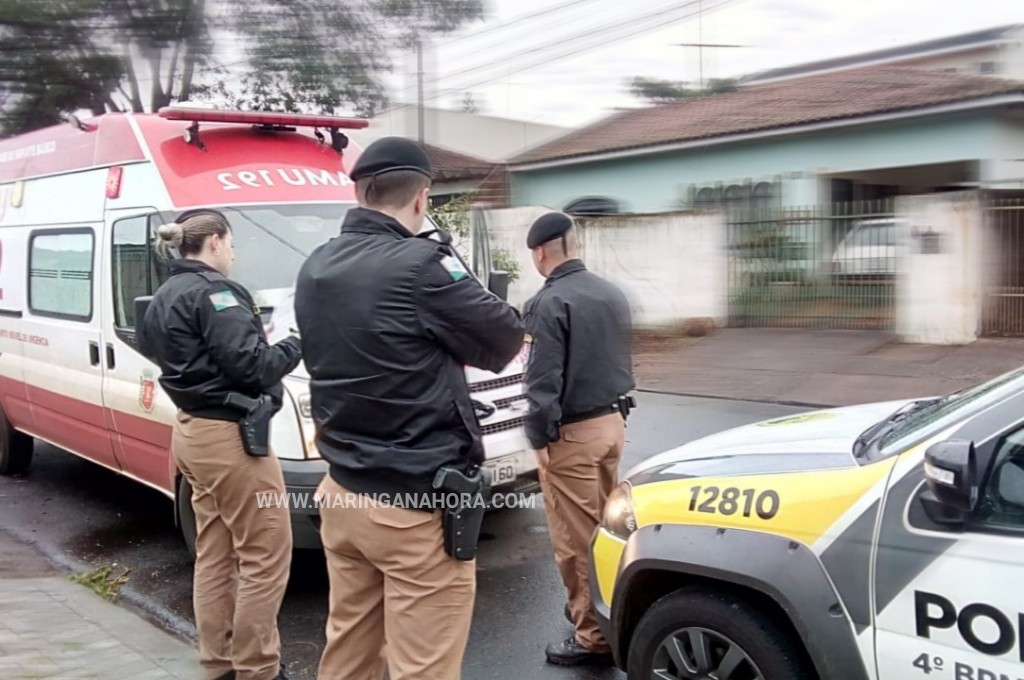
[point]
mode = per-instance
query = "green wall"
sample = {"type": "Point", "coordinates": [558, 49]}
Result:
{"type": "Point", "coordinates": [654, 183]}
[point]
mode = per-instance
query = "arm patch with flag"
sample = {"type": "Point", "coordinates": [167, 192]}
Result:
{"type": "Point", "coordinates": [454, 268]}
{"type": "Point", "coordinates": [223, 300]}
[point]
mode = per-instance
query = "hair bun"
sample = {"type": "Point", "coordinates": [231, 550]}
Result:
{"type": "Point", "coordinates": [173, 234]}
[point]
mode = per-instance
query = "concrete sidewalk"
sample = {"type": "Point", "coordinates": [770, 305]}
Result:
{"type": "Point", "coordinates": [816, 367]}
{"type": "Point", "coordinates": [52, 628]}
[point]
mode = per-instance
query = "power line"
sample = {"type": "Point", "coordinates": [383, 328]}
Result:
{"type": "Point", "coordinates": [653, 12]}
{"type": "Point", "coordinates": [513, 22]}
{"type": "Point", "coordinates": [644, 29]}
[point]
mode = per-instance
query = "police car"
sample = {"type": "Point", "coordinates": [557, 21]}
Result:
{"type": "Point", "coordinates": [881, 541]}
{"type": "Point", "coordinates": [79, 207]}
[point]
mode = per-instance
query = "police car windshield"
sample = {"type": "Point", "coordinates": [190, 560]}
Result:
{"type": "Point", "coordinates": [948, 411]}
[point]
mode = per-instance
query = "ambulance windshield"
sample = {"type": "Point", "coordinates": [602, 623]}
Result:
{"type": "Point", "coordinates": [272, 241]}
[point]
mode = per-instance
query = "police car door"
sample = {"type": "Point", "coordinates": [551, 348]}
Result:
{"type": "Point", "coordinates": [947, 593]}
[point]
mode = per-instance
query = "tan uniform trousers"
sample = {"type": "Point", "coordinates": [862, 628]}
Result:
{"type": "Point", "coordinates": [243, 552]}
{"type": "Point", "coordinates": [583, 469]}
{"type": "Point", "coordinates": [395, 593]}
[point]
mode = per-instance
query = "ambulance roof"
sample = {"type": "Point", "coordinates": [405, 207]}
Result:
{"type": "Point", "coordinates": [256, 160]}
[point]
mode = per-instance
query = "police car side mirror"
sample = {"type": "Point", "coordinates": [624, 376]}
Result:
{"type": "Point", "coordinates": [951, 473]}
{"type": "Point", "coordinates": [498, 284]}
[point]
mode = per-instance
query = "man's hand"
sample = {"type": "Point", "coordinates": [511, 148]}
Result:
{"type": "Point", "coordinates": [543, 460]}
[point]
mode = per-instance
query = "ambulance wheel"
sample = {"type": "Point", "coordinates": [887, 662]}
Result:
{"type": "Point", "coordinates": [186, 515]}
{"type": "Point", "coordinates": [15, 448]}
{"type": "Point", "coordinates": [695, 633]}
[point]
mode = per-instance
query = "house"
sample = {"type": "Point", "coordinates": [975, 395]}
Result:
{"type": "Point", "coordinates": [995, 51]}
{"type": "Point", "coordinates": [487, 137]}
{"type": "Point", "coordinates": [871, 132]}
{"type": "Point", "coordinates": [456, 174]}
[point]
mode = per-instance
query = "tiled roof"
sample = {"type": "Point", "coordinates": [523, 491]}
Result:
{"type": "Point", "coordinates": [961, 41]}
{"type": "Point", "coordinates": [451, 165]}
{"type": "Point", "coordinates": [815, 99]}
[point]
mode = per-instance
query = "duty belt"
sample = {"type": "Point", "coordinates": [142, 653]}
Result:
{"type": "Point", "coordinates": [596, 413]}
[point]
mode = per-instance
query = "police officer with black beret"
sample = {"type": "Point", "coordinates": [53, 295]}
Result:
{"type": "Point", "coordinates": [388, 320]}
{"type": "Point", "coordinates": [577, 381]}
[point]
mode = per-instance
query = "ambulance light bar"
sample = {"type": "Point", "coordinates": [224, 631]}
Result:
{"type": "Point", "coordinates": [202, 115]}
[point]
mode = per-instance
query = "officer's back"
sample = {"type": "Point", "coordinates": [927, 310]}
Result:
{"type": "Point", "coordinates": [595, 317]}
{"type": "Point", "coordinates": [388, 319]}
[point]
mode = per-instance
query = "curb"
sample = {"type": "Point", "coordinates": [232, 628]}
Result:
{"type": "Point", "coordinates": [128, 598]}
{"type": "Point", "coordinates": [718, 397]}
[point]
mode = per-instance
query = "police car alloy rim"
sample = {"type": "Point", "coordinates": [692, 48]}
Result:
{"type": "Point", "coordinates": [701, 654]}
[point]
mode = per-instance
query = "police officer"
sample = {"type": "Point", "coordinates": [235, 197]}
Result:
{"type": "Point", "coordinates": [388, 320]}
{"type": "Point", "coordinates": [204, 332]}
{"type": "Point", "coordinates": [577, 379]}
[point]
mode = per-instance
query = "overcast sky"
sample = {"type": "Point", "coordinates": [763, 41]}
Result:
{"type": "Point", "coordinates": [574, 89]}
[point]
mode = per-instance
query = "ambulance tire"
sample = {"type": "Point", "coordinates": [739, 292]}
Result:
{"type": "Point", "coordinates": [187, 516]}
{"type": "Point", "coordinates": [15, 448]}
{"type": "Point", "coordinates": [724, 622]}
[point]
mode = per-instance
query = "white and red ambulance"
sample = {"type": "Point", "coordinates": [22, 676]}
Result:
{"type": "Point", "coordinates": [79, 207]}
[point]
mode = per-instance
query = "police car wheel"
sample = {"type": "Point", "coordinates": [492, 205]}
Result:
{"type": "Point", "coordinates": [186, 515]}
{"type": "Point", "coordinates": [15, 449]}
{"type": "Point", "coordinates": [704, 635]}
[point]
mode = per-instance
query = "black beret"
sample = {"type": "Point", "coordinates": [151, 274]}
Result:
{"type": "Point", "coordinates": [547, 228]}
{"type": "Point", "coordinates": [388, 154]}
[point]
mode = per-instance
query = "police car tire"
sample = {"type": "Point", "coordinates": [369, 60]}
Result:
{"type": "Point", "coordinates": [15, 448]}
{"type": "Point", "coordinates": [187, 516]}
{"type": "Point", "coordinates": [773, 650]}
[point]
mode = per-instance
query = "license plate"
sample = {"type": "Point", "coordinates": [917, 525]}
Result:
{"type": "Point", "coordinates": [502, 473]}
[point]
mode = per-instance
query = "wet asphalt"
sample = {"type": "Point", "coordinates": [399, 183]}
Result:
{"type": "Point", "coordinates": [86, 517]}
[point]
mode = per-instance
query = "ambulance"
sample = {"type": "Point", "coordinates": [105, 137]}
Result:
{"type": "Point", "coordinates": [80, 204]}
{"type": "Point", "coordinates": [875, 542]}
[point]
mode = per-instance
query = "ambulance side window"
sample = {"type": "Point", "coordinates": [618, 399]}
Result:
{"type": "Point", "coordinates": [1002, 499]}
{"type": "Point", "coordinates": [61, 273]}
{"type": "Point", "coordinates": [137, 272]}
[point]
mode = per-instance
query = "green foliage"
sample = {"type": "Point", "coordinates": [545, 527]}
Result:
{"type": "Point", "coordinates": [453, 217]}
{"type": "Point", "coordinates": [667, 91]}
{"type": "Point", "coordinates": [101, 582]}
{"type": "Point", "coordinates": [299, 55]}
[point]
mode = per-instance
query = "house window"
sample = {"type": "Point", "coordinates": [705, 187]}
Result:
{"type": "Point", "coordinates": [989, 67]}
{"type": "Point", "coordinates": [61, 273]}
{"type": "Point", "coordinates": [705, 198]}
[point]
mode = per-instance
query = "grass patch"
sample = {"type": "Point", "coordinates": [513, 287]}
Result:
{"type": "Point", "coordinates": [102, 582]}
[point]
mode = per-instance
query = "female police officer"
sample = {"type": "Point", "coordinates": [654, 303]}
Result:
{"type": "Point", "coordinates": [204, 332]}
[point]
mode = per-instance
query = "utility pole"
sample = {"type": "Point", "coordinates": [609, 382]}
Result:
{"type": "Point", "coordinates": [419, 89]}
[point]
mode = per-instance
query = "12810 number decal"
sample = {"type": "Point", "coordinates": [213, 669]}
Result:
{"type": "Point", "coordinates": [731, 500]}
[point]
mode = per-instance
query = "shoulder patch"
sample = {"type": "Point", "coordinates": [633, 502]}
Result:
{"type": "Point", "coordinates": [223, 300]}
{"type": "Point", "coordinates": [454, 268]}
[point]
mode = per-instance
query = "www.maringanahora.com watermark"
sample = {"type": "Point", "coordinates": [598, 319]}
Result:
{"type": "Point", "coordinates": [407, 501]}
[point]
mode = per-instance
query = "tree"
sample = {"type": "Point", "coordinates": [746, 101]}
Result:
{"type": "Point", "coordinates": [469, 104]}
{"type": "Point", "coordinates": [58, 56]}
{"type": "Point", "coordinates": [658, 91]}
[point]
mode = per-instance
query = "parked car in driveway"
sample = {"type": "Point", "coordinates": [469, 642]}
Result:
{"type": "Point", "coordinates": [869, 252]}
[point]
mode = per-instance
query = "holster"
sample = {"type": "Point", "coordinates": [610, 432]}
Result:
{"type": "Point", "coordinates": [462, 520]}
{"type": "Point", "coordinates": [254, 426]}
{"type": "Point", "coordinates": [626, 405]}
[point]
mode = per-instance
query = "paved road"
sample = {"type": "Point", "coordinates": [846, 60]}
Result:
{"type": "Point", "coordinates": [76, 509]}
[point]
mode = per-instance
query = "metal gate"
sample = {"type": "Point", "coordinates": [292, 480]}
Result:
{"type": "Point", "coordinates": [831, 266]}
{"type": "Point", "coordinates": [1003, 311]}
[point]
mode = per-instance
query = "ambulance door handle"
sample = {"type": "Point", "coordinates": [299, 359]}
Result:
{"type": "Point", "coordinates": [94, 353]}
{"type": "Point", "coordinates": [110, 356]}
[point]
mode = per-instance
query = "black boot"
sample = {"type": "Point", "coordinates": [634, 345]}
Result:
{"type": "Point", "coordinates": [572, 653]}
{"type": "Point", "coordinates": [568, 614]}
{"type": "Point", "coordinates": [230, 675]}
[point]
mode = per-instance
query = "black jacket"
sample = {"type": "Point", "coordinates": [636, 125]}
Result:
{"type": "Point", "coordinates": [580, 356]}
{"type": "Point", "coordinates": [205, 333]}
{"type": "Point", "coordinates": [388, 321]}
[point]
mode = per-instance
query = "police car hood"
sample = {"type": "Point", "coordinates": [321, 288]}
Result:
{"type": "Point", "coordinates": [811, 440]}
